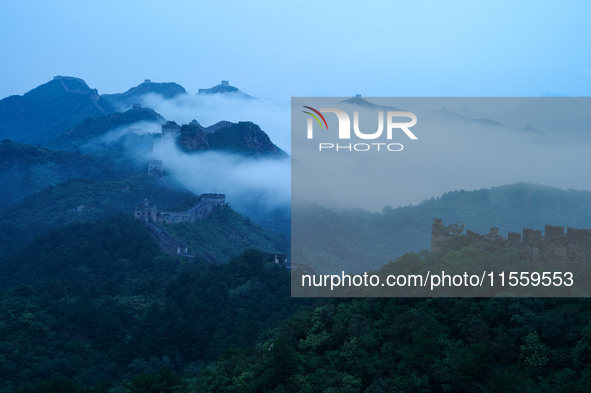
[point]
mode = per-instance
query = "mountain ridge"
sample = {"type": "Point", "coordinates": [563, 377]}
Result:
{"type": "Point", "coordinates": [167, 90]}
{"type": "Point", "coordinates": [225, 88]}
{"type": "Point", "coordinates": [50, 109]}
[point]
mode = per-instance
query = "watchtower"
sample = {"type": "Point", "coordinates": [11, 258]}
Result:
{"type": "Point", "coordinates": [154, 168]}
{"type": "Point", "coordinates": [146, 211]}
{"type": "Point", "coordinates": [171, 129]}
{"type": "Point", "coordinates": [217, 199]}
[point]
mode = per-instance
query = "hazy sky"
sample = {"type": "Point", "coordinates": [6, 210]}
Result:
{"type": "Point", "coordinates": [451, 153]}
{"type": "Point", "coordinates": [279, 49]}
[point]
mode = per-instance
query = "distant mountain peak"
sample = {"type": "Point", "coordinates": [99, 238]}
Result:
{"type": "Point", "coordinates": [358, 101]}
{"type": "Point", "coordinates": [62, 85]}
{"type": "Point", "coordinates": [125, 100]}
{"type": "Point", "coordinates": [224, 88]}
{"type": "Point", "coordinates": [165, 89]}
{"type": "Point", "coordinates": [73, 84]}
{"type": "Point", "coordinates": [68, 78]}
{"type": "Point", "coordinates": [50, 109]}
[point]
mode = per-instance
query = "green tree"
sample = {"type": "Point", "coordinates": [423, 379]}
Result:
{"type": "Point", "coordinates": [54, 385]}
{"type": "Point", "coordinates": [534, 352]}
{"type": "Point", "coordinates": [164, 382]}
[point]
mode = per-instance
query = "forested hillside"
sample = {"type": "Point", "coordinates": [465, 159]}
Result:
{"type": "Point", "coordinates": [228, 233]}
{"type": "Point", "coordinates": [78, 200]}
{"type": "Point", "coordinates": [101, 295]}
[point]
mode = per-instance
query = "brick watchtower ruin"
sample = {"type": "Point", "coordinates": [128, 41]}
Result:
{"type": "Point", "coordinates": [171, 129]}
{"type": "Point", "coordinates": [146, 211]}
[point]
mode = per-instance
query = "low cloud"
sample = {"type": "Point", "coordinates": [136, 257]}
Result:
{"type": "Point", "coordinates": [139, 128]}
{"type": "Point", "coordinates": [238, 177]}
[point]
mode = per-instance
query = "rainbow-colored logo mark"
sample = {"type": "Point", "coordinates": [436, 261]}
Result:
{"type": "Point", "coordinates": [314, 116]}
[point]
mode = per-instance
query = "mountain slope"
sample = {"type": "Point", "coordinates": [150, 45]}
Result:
{"type": "Point", "coordinates": [226, 234]}
{"type": "Point", "coordinates": [26, 169]}
{"type": "Point", "coordinates": [97, 126]}
{"type": "Point", "coordinates": [125, 100]}
{"type": "Point", "coordinates": [49, 110]}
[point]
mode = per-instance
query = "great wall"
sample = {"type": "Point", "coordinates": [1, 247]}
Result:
{"type": "Point", "coordinates": [554, 249]}
{"type": "Point", "coordinates": [208, 204]}
{"type": "Point", "coordinates": [149, 214]}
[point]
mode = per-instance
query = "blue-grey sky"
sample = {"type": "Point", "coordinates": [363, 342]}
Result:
{"type": "Point", "coordinates": [281, 49]}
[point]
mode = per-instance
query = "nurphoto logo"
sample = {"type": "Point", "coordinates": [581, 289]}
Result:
{"type": "Point", "coordinates": [345, 128]}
